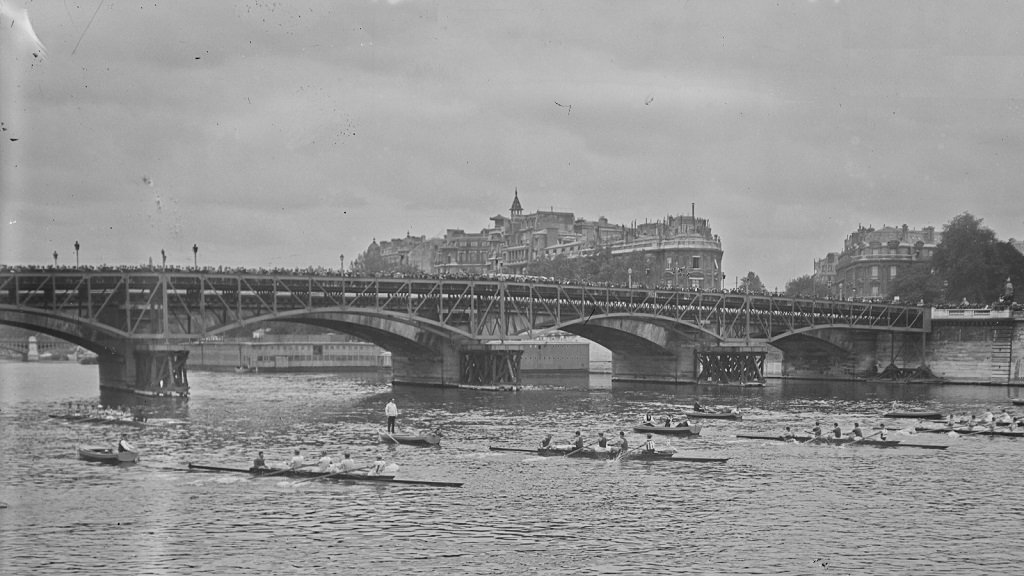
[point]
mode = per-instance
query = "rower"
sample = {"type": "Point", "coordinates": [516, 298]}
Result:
{"type": "Point", "coordinates": [816, 431]}
{"type": "Point", "coordinates": [577, 441]}
{"type": "Point", "coordinates": [881, 431]}
{"type": "Point", "coordinates": [623, 443]}
{"type": "Point", "coordinates": [988, 417]}
{"type": "Point", "coordinates": [123, 445]}
{"type": "Point", "coordinates": [857, 433]}
{"type": "Point", "coordinates": [347, 464]}
{"type": "Point", "coordinates": [788, 434]}
{"type": "Point", "coordinates": [297, 460]}
{"type": "Point", "coordinates": [602, 442]}
{"type": "Point", "coordinates": [647, 419]}
{"type": "Point", "coordinates": [258, 463]}
{"type": "Point", "coordinates": [697, 407]}
{"type": "Point", "coordinates": [836, 431]}
{"type": "Point", "coordinates": [1005, 417]}
{"type": "Point", "coordinates": [325, 462]}
{"type": "Point", "coordinates": [668, 422]}
{"type": "Point", "coordinates": [545, 444]}
{"type": "Point", "coordinates": [378, 467]}
{"type": "Point", "coordinates": [649, 445]}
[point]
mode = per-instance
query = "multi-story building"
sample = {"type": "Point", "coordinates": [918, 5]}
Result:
{"type": "Point", "coordinates": [678, 251]}
{"type": "Point", "coordinates": [871, 259]}
{"type": "Point", "coordinates": [825, 272]}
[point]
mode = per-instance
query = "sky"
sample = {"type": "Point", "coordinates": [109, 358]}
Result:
{"type": "Point", "coordinates": [287, 134]}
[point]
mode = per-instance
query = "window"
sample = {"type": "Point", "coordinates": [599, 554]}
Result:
{"type": "Point", "coordinates": [892, 272]}
{"type": "Point", "coordinates": [874, 272]}
{"type": "Point", "coordinates": [695, 263]}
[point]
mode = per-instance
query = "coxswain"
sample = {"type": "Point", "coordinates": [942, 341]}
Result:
{"type": "Point", "coordinates": [649, 445]}
{"type": "Point", "coordinates": [602, 442]}
{"type": "Point", "coordinates": [788, 434]}
{"type": "Point", "coordinates": [297, 460]}
{"type": "Point", "coordinates": [123, 445]}
{"type": "Point", "coordinates": [836, 431]}
{"type": "Point", "coordinates": [647, 419]}
{"type": "Point", "coordinates": [258, 463]}
{"type": "Point", "coordinates": [325, 462]}
{"type": "Point", "coordinates": [697, 407]}
{"type": "Point", "coordinates": [857, 433]}
{"type": "Point", "coordinates": [378, 467]}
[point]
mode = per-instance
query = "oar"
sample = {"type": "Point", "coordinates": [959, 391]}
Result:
{"type": "Point", "coordinates": [622, 454]}
{"type": "Point", "coordinates": [388, 434]}
{"type": "Point", "coordinates": [580, 448]}
{"type": "Point", "coordinates": [288, 470]}
{"type": "Point", "coordinates": [331, 474]}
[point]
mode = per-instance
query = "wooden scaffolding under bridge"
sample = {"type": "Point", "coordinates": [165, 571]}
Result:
{"type": "Point", "coordinates": [491, 367]}
{"type": "Point", "coordinates": [731, 364]}
{"type": "Point", "coordinates": [162, 372]}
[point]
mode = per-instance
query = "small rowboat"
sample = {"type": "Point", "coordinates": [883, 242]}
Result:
{"type": "Point", "coordinates": [1018, 401]}
{"type": "Point", "coordinates": [693, 430]}
{"type": "Point", "coordinates": [107, 455]}
{"type": "Point", "coordinates": [411, 439]}
{"type": "Point", "coordinates": [660, 455]}
{"type": "Point", "coordinates": [312, 474]}
{"type": "Point", "coordinates": [717, 415]}
{"type": "Point", "coordinates": [919, 415]}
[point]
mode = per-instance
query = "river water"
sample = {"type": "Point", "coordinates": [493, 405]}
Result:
{"type": "Point", "coordinates": [773, 508]}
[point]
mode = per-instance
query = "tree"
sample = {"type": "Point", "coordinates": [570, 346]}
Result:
{"type": "Point", "coordinates": [969, 261]}
{"type": "Point", "coordinates": [751, 283]}
{"type": "Point", "coordinates": [916, 283]}
{"type": "Point", "coordinates": [806, 285]}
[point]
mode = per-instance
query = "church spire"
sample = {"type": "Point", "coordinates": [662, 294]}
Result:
{"type": "Point", "coordinates": [517, 208]}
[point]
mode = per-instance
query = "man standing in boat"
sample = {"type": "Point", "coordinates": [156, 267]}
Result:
{"type": "Point", "coordinates": [391, 411]}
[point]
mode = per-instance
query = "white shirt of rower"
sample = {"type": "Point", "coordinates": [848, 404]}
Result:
{"type": "Point", "coordinates": [347, 464]}
{"type": "Point", "coordinates": [297, 461]}
{"type": "Point", "coordinates": [378, 468]}
{"type": "Point", "coordinates": [325, 463]}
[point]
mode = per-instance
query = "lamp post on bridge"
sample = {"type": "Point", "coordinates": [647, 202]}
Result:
{"type": "Point", "coordinates": [77, 246]}
{"type": "Point", "coordinates": [163, 259]}
{"type": "Point", "coordinates": [54, 258]}
{"type": "Point", "coordinates": [629, 278]}
{"type": "Point", "coordinates": [195, 256]}
{"type": "Point", "coordinates": [341, 262]}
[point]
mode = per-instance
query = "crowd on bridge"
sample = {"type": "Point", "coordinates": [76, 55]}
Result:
{"type": "Point", "coordinates": [326, 272]}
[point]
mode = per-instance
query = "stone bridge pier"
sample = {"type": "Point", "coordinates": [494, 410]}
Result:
{"type": "Point", "coordinates": [145, 369]}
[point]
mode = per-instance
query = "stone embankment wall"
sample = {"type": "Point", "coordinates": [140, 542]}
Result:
{"type": "Point", "coordinates": [988, 352]}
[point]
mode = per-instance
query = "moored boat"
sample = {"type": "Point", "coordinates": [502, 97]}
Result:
{"type": "Point", "coordinates": [428, 439]}
{"type": "Point", "coordinates": [678, 430]}
{"type": "Point", "coordinates": [317, 475]}
{"type": "Point", "coordinates": [83, 419]}
{"type": "Point", "coordinates": [107, 455]}
{"type": "Point", "coordinates": [717, 415]}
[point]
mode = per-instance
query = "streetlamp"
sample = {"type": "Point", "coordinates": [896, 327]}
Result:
{"type": "Point", "coordinates": [629, 278]}
{"type": "Point", "coordinates": [341, 261]}
{"type": "Point", "coordinates": [195, 256]}
{"type": "Point", "coordinates": [54, 258]}
{"type": "Point", "coordinates": [77, 246]}
{"type": "Point", "coordinates": [163, 257]}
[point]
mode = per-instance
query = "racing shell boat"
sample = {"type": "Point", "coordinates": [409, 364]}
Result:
{"type": "Point", "coordinates": [317, 475]}
{"type": "Point", "coordinates": [591, 453]}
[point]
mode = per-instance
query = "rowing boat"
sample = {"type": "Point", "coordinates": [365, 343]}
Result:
{"type": "Point", "coordinates": [411, 439]}
{"type": "Point", "coordinates": [82, 419]}
{"type": "Point", "coordinates": [920, 415]}
{"type": "Point", "coordinates": [866, 442]}
{"type": "Point", "coordinates": [773, 437]}
{"type": "Point", "coordinates": [692, 430]}
{"type": "Point", "coordinates": [717, 415]}
{"type": "Point", "coordinates": [660, 455]}
{"type": "Point", "coordinates": [107, 455]}
{"type": "Point", "coordinates": [310, 474]}
{"type": "Point", "coordinates": [966, 431]}
{"type": "Point", "coordinates": [899, 443]}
